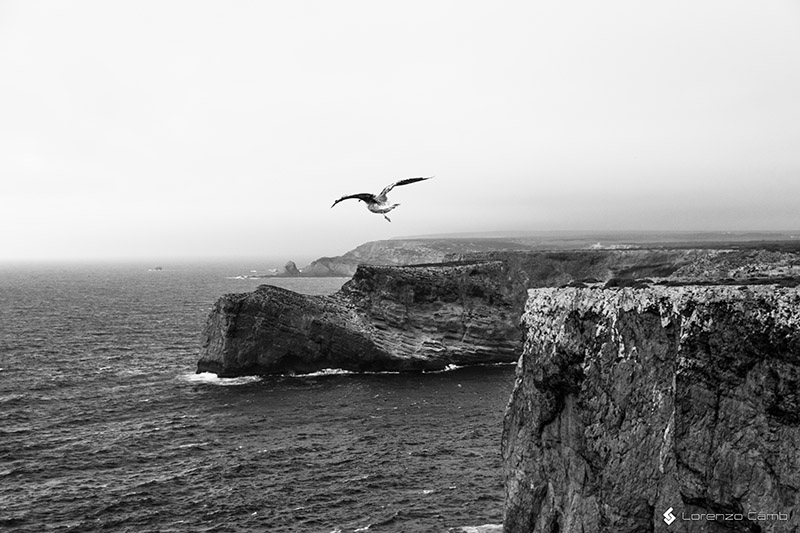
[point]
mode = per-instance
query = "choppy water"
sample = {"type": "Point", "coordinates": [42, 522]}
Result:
{"type": "Point", "coordinates": [105, 427]}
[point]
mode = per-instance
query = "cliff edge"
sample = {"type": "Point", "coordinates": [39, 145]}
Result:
{"type": "Point", "coordinates": [659, 408]}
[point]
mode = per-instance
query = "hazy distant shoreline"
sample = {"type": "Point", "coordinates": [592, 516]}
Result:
{"type": "Point", "coordinates": [439, 248]}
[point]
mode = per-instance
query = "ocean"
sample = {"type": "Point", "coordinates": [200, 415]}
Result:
{"type": "Point", "coordinates": [105, 426]}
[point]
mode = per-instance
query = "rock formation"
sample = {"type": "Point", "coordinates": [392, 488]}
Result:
{"type": "Point", "coordinates": [554, 268]}
{"type": "Point", "coordinates": [654, 386]}
{"type": "Point", "coordinates": [403, 252]}
{"type": "Point", "coordinates": [429, 316]}
{"type": "Point", "coordinates": [435, 249]}
{"type": "Point", "coordinates": [384, 319]}
{"type": "Point", "coordinates": [631, 402]}
{"type": "Point", "coordinates": [290, 269]}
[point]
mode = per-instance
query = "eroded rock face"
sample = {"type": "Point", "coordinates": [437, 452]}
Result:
{"type": "Point", "coordinates": [274, 330]}
{"type": "Point", "coordinates": [631, 401]}
{"type": "Point", "coordinates": [385, 318]}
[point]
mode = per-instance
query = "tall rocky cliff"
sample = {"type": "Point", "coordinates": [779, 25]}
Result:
{"type": "Point", "coordinates": [632, 402]}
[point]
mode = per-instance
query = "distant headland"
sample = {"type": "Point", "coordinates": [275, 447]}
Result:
{"type": "Point", "coordinates": [424, 249]}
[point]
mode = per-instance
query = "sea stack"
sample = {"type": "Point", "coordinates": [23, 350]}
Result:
{"type": "Point", "coordinates": [290, 269]}
{"type": "Point", "coordinates": [384, 319]}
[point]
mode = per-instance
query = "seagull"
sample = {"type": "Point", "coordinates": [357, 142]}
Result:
{"type": "Point", "coordinates": [379, 203]}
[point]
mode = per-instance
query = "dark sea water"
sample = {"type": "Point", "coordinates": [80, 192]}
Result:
{"type": "Point", "coordinates": [104, 426]}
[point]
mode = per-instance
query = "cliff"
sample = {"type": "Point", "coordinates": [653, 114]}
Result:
{"type": "Point", "coordinates": [403, 252]}
{"type": "Point", "coordinates": [384, 319]}
{"type": "Point", "coordinates": [389, 252]}
{"type": "Point", "coordinates": [554, 268]}
{"type": "Point", "coordinates": [460, 247]}
{"type": "Point", "coordinates": [632, 402]}
{"type": "Point", "coordinates": [429, 316]}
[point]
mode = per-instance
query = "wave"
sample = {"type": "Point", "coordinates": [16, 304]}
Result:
{"type": "Point", "coordinates": [213, 379]}
{"type": "Point", "coordinates": [210, 378]}
{"type": "Point", "coordinates": [11, 398]}
{"type": "Point", "coordinates": [335, 372]}
{"type": "Point", "coordinates": [486, 528]}
{"type": "Point", "coordinates": [451, 367]}
{"type": "Point", "coordinates": [341, 371]}
{"type": "Point", "coordinates": [448, 368]}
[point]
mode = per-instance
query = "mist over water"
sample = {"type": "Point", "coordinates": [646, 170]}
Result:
{"type": "Point", "coordinates": [105, 426]}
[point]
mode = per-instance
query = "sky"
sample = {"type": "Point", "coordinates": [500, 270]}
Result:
{"type": "Point", "coordinates": [182, 129]}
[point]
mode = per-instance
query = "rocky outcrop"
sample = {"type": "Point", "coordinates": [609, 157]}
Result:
{"type": "Point", "coordinates": [630, 403]}
{"type": "Point", "coordinates": [290, 269]}
{"type": "Point", "coordinates": [384, 319]}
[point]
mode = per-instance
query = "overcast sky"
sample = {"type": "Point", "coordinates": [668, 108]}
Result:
{"type": "Point", "coordinates": [188, 128]}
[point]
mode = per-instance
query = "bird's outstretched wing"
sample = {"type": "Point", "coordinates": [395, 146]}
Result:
{"type": "Point", "coordinates": [384, 192]}
{"type": "Point", "coordinates": [364, 197]}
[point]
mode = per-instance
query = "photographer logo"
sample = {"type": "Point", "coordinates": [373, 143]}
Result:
{"type": "Point", "coordinates": [751, 516]}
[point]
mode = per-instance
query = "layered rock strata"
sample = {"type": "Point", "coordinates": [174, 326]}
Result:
{"type": "Point", "coordinates": [632, 402]}
{"type": "Point", "coordinates": [427, 316]}
{"type": "Point", "coordinates": [384, 319]}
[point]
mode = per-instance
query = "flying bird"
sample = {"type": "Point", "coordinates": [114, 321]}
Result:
{"type": "Point", "coordinates": [379, 203]}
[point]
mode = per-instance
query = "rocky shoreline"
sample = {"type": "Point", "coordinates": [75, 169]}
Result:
{"type": "Point", "coordinates": [651, 384]}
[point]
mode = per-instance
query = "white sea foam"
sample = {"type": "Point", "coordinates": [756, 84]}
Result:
{"type": "Point", "coordinates": [448, 368]}
{"type": "Point", "coordinates": [212, 379]}
{"type": "Point", "coordinates": [325, 372]}
{"type": "Point", "coordinates": [335, 372]}
{"type": "Point", "coordinates": [342, 372]}
{"type": "Point", "coordinates": [451, 367]}
{"type": "Point", "coordinates": [486, 528]}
